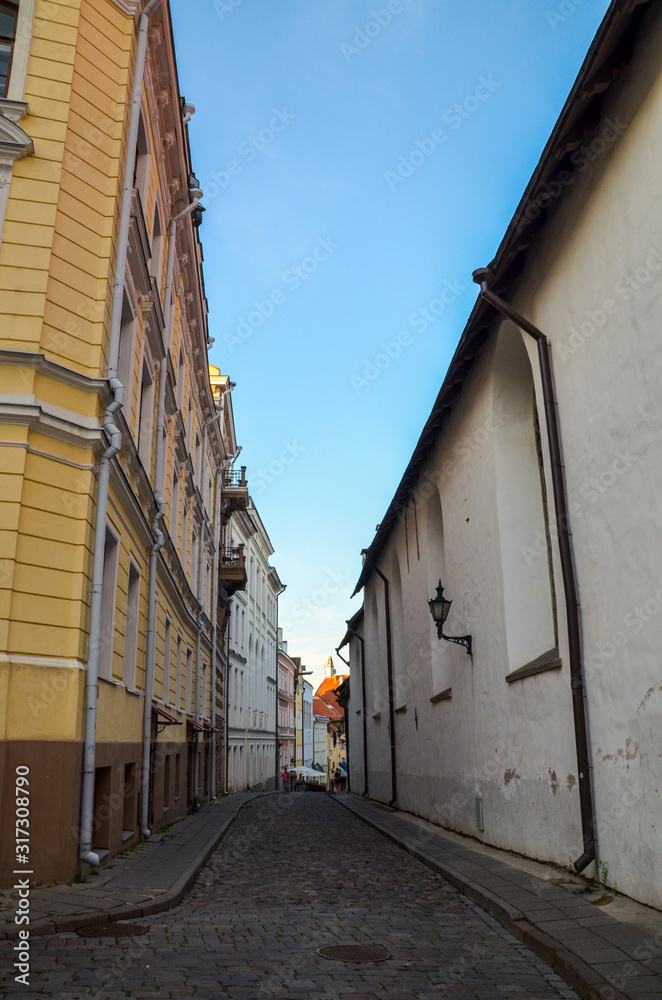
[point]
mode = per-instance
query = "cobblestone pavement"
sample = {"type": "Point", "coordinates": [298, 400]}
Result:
{"type": "Point", "coordinates": [294, 873]}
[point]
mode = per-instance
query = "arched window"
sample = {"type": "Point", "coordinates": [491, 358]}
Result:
{"type": "Point", "coordinates": [521, 506]}
{"type": "Point", "coordinates": [399, 646]}
{"type": "Point", "coordinates": [440, 652]}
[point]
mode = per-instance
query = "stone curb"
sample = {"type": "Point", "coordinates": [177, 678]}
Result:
{"type": "Point", "coordinates": [172, 897]}
{"type": "Point", "coordinates": [570, 967]}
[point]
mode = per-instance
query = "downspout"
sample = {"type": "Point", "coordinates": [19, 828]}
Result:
{"type": "Point", "coordinates": [363, 708]}
{"type": "Point", "coordinates": [159, 539]}
{"type": "Point", "coordinates": [85, 852]}
{"type": "Point", "coordinates": [217, 544]}
{"type": "Point", "coordinates": [214, 624]}
{"type": "Point", "coordinates": [226, 680]}
{"type": "Point", "coordinates": [389, 665]}
{"type": "Point", "coordinates": [200, 589]}
{"type": "Point", "coordinates": [484, 277]}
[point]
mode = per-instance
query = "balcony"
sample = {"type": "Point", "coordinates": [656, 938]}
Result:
{"type": "Point", "coordinates": [231, 570]}
{"type": "Point", "coordinates": [235, 491]}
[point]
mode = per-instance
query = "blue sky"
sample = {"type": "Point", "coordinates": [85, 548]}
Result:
{"type": "Point", "coordinates": [359, 160]}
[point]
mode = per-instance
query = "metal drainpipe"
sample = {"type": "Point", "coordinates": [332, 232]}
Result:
{"type": "Point", "coordinates": [214, 624]}
{"type": "Point", "coordinates": [484, 277]}
{"type": "Point", "coordinates": [363, 708]}
{"type": "Point", "coordinates": [85, 852]}
{"type": "Point", "coordinates": [159, 539]}
{"type": "Point", "coordinates": [226, 680]}
{"type": "Point", "coordinates": [217, 543]}
{"type": "Point", "coordinates": [200, 589]}
{"type": "Point", "coordinates": [389, 664]}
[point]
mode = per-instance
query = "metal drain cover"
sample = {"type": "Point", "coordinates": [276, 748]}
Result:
{"type": "Point", "coordinates": [354, 953]}
{"type": "Point", "coordinates": [110, 930]}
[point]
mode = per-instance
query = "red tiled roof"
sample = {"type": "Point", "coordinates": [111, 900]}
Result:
{"type": "Point", "coordinates": [327, 711]}
{"type": "Point", "coordinates": [329, 684]}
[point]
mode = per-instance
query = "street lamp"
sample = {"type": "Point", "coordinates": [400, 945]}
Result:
{"type": "Point", "coordinates": [439, 608]}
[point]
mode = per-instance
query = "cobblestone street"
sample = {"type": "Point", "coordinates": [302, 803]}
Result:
{"type": "Point", "coordinates": [295, 873]}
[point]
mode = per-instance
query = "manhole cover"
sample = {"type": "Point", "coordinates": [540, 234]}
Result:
{"type": "Point", "coordinates": [110, 930]}
{"type": "Point", "coordinates": [354, 953]}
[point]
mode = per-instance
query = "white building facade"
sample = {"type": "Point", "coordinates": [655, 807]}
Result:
{"type": "Point", "coordinates": [253, 665]}
{"type": "Point", "coordinates": [546, 740]}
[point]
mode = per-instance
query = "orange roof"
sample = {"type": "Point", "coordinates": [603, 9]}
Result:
{"type": "Point", "coordinates": [327, 711]}
{"type": "Point", "coordinates": [330, 684]}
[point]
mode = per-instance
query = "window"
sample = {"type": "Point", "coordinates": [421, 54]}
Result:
{"type": "Point", "coordinates": [189, 671]}
{"type": "Point", "coordinates": [198, 466]}
{"type": "Point", "coordinates": [8, 18]}
{"type": "Point", "coordinates": [178, 676]}
{"type": "Point", "coordinates": [141, 169]}
{"type": "Point", "coordinates": [181, 375]}
{"type": "Point", "coordinates": [157, 247]}
{"type": "Point", "coordinates": [130, 801]}
{"type": "Point", "coordinates": [107, 633]}
{"type": "Point", "coordinates": [131, 635]}
{"type": "Point", "coordinates": [174, 505]}
{"type": "Point", "coordinates": [146, 417]}
{"type": "Point", "coordinates": [166, 662]}
{"type": "Point", "coordinates": [203, 693]}
{"type": "Point", "coordinates": [529, 601]}
{"type": "Point", "coordinates": [125, 361]}
{"type": "Point", "coordinates": [209, 588]}
{"type": "Point", "coordinates": [166, 783]}
{"type": "Point", "coordinates": [184, 536]}
{"type": "Point", "coordinates": [194, 563]}
{"type": "Point", "coordinates": [178, 771]}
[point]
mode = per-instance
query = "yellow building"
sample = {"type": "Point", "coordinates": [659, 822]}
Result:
{"type": "Point", "coordinates": [112, 451]}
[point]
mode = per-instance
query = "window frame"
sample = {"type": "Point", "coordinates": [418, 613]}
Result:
{"type": "Point", "coordinates": [16, 7]}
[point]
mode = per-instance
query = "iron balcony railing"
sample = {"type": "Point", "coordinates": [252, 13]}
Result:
{"type": "Point", "coordinates": [232, 555]}
{"type": "Point", "coordinates": [235, 479]}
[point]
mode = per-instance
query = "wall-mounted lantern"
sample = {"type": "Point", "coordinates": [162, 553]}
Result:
{"type": "Point", "coordinates": [439, 608]}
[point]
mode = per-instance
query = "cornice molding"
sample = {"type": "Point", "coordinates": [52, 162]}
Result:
{"type": "Point", "coordinates": [54, 421]}
{"type": "Point", "coordinates": [126, 6]}
{"type": "Point", "coordinates": [26, 359]}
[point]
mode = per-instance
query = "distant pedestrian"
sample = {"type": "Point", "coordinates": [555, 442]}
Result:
{"type": "Point", "coordinates": [336, 779]}
{"type": "Point", "coordinates": [286, 780]}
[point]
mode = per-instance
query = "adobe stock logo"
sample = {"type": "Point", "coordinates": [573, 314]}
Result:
{"type": "Point", "coordinates": [454, 117]}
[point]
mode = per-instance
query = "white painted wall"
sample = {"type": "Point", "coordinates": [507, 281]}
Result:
{"type": "Point", "coordinates": [593, 286]}
{"type": "Point", "coordinates": [253, 663]}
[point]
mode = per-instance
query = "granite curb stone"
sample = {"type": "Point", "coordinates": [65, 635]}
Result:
{"type": "Point", "coordinates": [58, 923]}
{"type": "Point", "coordinates": [559, 954]}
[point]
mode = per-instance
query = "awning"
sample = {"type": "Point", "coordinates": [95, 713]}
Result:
{"type": "Point", "coordinates": [195, 725]}
{"type": "Point", "coordinates": [168, 719]}
{"type": "Point", "coordinates": [209, 728]}
{"type": "Point", "coordinates": [306, 772]}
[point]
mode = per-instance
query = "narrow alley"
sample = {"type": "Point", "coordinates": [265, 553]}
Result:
{"type": "Point", "coordinates": [296, 873]}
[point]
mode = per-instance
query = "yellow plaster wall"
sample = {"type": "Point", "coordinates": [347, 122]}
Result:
{"type": "Point", "coordinates": [42, 702]}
